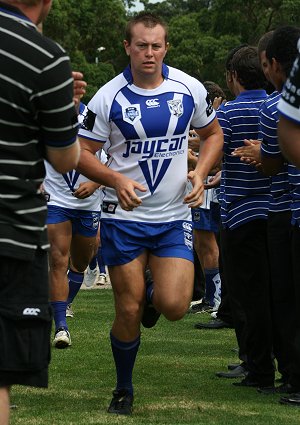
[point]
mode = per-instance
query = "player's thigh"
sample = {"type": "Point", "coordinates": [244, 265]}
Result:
{"type": "Point", "coordinates": [173, 279]}
{"type": "Point", "coordinates": [128, 282]}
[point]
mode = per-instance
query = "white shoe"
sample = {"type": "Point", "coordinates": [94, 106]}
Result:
{"type": "Point", "coordinates": [62, 338]}
{"type": "Point", "coordinates": [69, 311]}
{"type": "Point", "coordinates": [90, 277]}
{"type": "Point", "coordinates": [214, 314]}
{"type": "Point", "coordinates": [102, 279]}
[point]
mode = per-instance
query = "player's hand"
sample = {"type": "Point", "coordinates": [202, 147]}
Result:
{"type": "Point", "coordinates": [195, 197]}
{"type": "Point", "coordinates": [85, 189]}
{"type": "Point", "coordinates": [214, 181]}
{"type": "Point", "coordinates": [125, 189]}
{"type": "Point", "coordinates": [79, 87]}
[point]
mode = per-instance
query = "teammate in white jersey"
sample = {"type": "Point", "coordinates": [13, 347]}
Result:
{"type": "Point", "coordinates": [146, 113]}
{"type": "Point", "coordinates": [73, 221]}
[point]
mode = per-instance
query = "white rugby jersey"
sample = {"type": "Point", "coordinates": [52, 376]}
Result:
{"type": "Point", "coordinates": [61, 186]}
{"type": "Point", "coordinates": [148, 140]}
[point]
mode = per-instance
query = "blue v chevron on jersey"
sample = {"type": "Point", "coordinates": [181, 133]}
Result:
{"type": "Point", "coordinates": [71, 179]}
{"type": "Point", "coordinates": [154, 178]}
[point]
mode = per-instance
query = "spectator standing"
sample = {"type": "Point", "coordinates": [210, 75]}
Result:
{"type": "Point", "coordinates": [244, 202]}
{"type": "Point", "coordinates": [281, 51]}
{"type": "Point", "coordinates": [37, 120]}
{"type": "Point", "coordinates": [289, 138]}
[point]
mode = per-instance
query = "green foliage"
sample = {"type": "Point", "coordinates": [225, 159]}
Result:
{"type": "Point", "coordinates": [82, 27]}
{"type": "Point", "coordinates": [96, 74]}
{"type": "Point", "coordinates": [201, 32]}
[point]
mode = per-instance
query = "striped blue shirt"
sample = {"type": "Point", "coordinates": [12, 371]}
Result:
{"type": "Point", "coordinates": [280, 191]}
{"type": "Point", "coordinates": [244, 192]}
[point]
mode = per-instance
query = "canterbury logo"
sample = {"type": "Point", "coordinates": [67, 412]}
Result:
{"type": "Point", "coordinates": [187, 226]}
{"type": "Point", "coordinates": [29, 311]}
{"type": "Point", "coordinates": [152, 103]}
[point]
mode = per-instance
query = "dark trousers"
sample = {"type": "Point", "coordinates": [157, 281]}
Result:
{"type": "Point", "coordinates": [224, 310]}
{"type": "Point", "coordinates": [283, 308]}
{"type": "Point", "coordinates": [247, 272]}
{"type": "Point", "coordinates": [295, 377]}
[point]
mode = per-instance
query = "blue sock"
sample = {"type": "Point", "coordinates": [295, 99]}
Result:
{"type": "Point", "coordinates": [93, 263]}
{"type": "Point", "coordinates": [101, 264]}
{"type": "Point", "coordinates": [75, 282]}
{"type": "Point", "coordinates": [59, 309]}
{"type": "Point", "coordinates": [124, 355]}
{"type": "Point", "coordinates": [212, 286]}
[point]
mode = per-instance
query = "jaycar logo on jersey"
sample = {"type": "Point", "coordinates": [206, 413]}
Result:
{"type": "Point", "coordinates": [152, 103]}
{"type": "Point", "coordinates": [176, 107]}
{"type": "Point", "coordinates": [31, 311]}
{"type": "Point", "coordinates": [131, 114]}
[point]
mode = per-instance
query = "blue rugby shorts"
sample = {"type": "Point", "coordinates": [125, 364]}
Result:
{"type": "Point", "coordinates": [122, 241]}
{"type": "Point", "coordinates": [84, 223]}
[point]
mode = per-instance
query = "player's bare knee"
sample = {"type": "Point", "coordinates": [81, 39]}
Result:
{"type": "Point", "coordinates": [130, 312]}
{"type": "Point", "coordinates": [174, 311]}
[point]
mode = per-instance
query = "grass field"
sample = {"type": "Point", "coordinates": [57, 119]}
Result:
{"type": "Point", "coordinates": [174, 377]}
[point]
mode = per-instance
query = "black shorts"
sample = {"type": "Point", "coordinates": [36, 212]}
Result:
{"type": "Point", "coordinates": [25, 321]}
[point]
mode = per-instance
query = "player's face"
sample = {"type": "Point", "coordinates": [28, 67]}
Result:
{"type": "Point", "coordinates": [147, 51]}
{"type": "Point", "coordinates": [265, 65]}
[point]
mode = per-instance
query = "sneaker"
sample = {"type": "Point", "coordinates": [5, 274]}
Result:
{"type": "Point", "coordinates": [203, 307]}
{"type": "Point", "coordinates": [213, 324]}
{"type": "Point", "coordinates": [214, 314]}
{"type": "Point", "coordinates": [150, 314]}
{"type": "Point", "coordinates": [102, 279]}
{"type": "Point", "coordinates": [90, 277]}
{"type": "Point", "coordinates": [62, 338]}
{"type": "Point", "coordinates": [69, 311]}
{"type": "Point", "coordinates": [291, 400]}
{"type": "Point", "coordinates": [196, 302]}
{"type": "Point", "coordinates": [121, 403]}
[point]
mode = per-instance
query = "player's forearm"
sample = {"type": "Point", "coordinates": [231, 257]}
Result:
{"type": "Point", "coordinates": [94, 170]}
{"type": "Point", "coordinates": [210, 156]}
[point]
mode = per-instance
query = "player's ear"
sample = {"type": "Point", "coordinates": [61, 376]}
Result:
{"type": "Point", "coordinates": [126, 47]}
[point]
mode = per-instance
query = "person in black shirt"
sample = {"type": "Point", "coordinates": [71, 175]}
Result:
{"type": "Point", "coordinates": [38, 121]}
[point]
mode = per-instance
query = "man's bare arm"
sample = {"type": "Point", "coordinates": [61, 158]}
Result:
{"type": "Point", "coordinates": [94, 170]}
{"type": "Point", "coordinates": [64, 159]}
